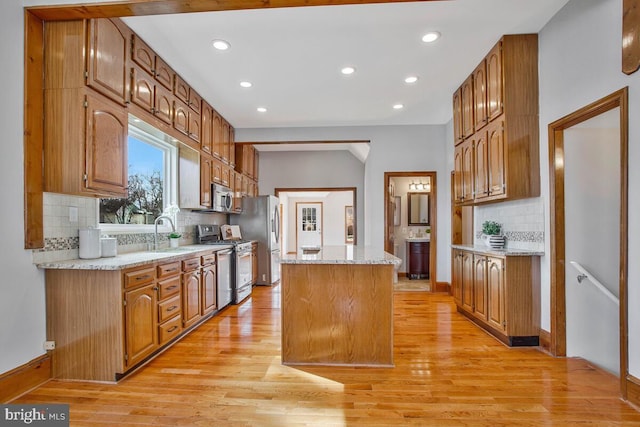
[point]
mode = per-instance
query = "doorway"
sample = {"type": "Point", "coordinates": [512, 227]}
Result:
{"type": "Point", "coordinates": [399, 225]}
{"type": "Point", "coordinates": [588, 162]}
{"type": "Point", "coordinates": [330, 217]}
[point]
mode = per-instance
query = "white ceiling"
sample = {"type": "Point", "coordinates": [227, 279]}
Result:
{"type": "Point", "coordinates": [293, 57]}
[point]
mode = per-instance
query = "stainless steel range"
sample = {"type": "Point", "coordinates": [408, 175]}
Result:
{"type": "Point", "coordinates": [209, 234]}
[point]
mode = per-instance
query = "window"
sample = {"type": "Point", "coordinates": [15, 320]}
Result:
{"type": "Point", "coordinates": [152, 158]}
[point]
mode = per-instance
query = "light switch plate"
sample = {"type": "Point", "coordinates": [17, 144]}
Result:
{"type": "Point", "coordinates": [73, 214]}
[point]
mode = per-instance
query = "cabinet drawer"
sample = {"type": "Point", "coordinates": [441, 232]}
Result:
{"type": "Point", "coordinates": [170, 329]}
{"type": "Point", "coordinates": [139, 277]}
{"type": "Point", "coordinates": [167, 270]}
{"type": "Point", "coordinates": [169, 308]}
{"type": "Point", "coordinates": [190, 264]}
{"type": "Point", "coordinates": [168, 287]}
{"type": "Point", "coordinates": [208, 259]}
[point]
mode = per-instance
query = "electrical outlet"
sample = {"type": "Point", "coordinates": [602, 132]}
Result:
{"type": "Point", "coordinates": [49, 345]}
{"type": "Point", "coordinates": [404, 230]}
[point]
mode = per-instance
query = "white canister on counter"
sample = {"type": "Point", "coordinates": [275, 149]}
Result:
{"type": "Point", "coordinates": [89, 243]}
{"type": "Point", "coordinates": [108, 246]}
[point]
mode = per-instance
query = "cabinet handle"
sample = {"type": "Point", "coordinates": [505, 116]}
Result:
{"type": "Point", "coordinates": [170, 288]}
{"type": "Point", "coordinates": [173, 328]}
{"type": "Point", "coordinates": [145, 277]}
{"type": "Point", "coordinates": [155, 288]}
{"type": "Point", "coordinates": [173, 307]}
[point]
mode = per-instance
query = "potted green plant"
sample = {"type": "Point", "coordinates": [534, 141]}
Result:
{"type": "Point", "coordinates": [492, 232]}
{"type": "Point", "coordinates": [174, 240]}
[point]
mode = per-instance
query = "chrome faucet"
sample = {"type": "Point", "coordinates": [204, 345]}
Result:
{"type": "Point", "coordinates": [155, 234]}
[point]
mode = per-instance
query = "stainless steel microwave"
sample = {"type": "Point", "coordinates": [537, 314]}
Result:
{"type": "Point", "coordinates": [222, 198]}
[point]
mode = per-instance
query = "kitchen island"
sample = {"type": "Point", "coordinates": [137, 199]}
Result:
{"type": "Point", "coordinates": [337, 307]}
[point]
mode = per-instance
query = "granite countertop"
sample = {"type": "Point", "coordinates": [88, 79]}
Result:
{"type": "Point", "coordinates": [499, 252]}
{"type": "Point", "coordinates": [131, 259]}
{"type": "Point", "coordinates": [346, 254]}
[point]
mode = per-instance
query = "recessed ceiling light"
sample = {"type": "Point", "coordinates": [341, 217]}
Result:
{"type": "Point", "coordinates": [431, 37]}
{"type": "Point", "coordinates": [348, 70]}
{"type": "Point", "coordinates": [411, 79]}
{"type": "Point", "coordinates": [398, 106]}
{"type": "Point", "coordinates": [246, 84]}
{"type": "Point", "coordinates": [221, 44]}
{"type": "Point", "coordinates": [261, 110]}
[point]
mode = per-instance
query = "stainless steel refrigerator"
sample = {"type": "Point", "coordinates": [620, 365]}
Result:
{"type": "Point", "coordinates": [260, 220]}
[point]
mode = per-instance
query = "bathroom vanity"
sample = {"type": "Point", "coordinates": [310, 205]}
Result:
{"type": "Point", "coordinates": [418, 254]}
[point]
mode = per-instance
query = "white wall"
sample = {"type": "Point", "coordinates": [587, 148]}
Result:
{"type": "Point", "coordinates": [393, 149]}
{"type": "Point", "coordinates": [580, 57]}
{"type": "Point", "coordinates": [22, 308]}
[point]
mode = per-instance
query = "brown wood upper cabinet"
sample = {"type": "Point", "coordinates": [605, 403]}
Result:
{"type": "Point", "coordinates": [147, 59]}
{"type": "Point", "coordinates": [504, 118]}
{"type": "Point", "coordinates": [186, 94]}
{"type": "Point", "coordinates": [206, 139]}
{"type": "Point", "coordinates": [107, 58]}
{"type": "Point", "coordinates": [151, 96]}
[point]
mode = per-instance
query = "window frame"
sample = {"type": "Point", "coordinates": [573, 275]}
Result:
{"type": "Point", "coordinates": [147, 134]}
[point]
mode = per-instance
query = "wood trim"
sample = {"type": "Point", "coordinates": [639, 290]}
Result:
{"type": "Point", "coordinates": [22, 379]}
{"type": "Point", "coordinates": [433, 209]}
{"type": "Point", "coordinates": [33, 131]}
{"type": "Point", "coordinates": [160, 7]}
{"type": "Point", "coordinates": [355, 141]}
{"type": "Point", "coordinates": [633, 390]}
{"type": "Point", "coordinates": [441, 287]}
{"type": "Point", "coordinates": [630, 36]}
{"type": "Point", "coordinates": [545, 340]}
{"type": "Point", "coordinates": [556, 197]}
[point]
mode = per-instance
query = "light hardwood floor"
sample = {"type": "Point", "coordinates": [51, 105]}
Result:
{"type": "Point", "coordinates": [448, 373]}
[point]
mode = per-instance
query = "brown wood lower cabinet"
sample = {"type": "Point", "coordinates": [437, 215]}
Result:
{"type": "Point", "coordinates": [105, 323]}
{"type": "Point", "coordinates": [499, 293]}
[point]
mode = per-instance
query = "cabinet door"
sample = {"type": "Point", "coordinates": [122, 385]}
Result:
{"type": "Point", "coordinates": [225, 141]}
{"type": "Point", "coordinates": [467, 281]}
{"type": "Point", "coordinates": [480, 286]}
{"type": "Point", "coordinates": [256, 160]}
{"type": "Point", "coordinates": [181, 117]}
{"type": "Point", "coordinates": [232, 146]}
{"type": "Point", "coordinates": [457, 174]}
{"type": "Point", "coordinates": [206, 141]}
{"type": "Point", "coordinates": [238, 190]}
{"type": "Point", "coordinates": [142, 54]}
{"type": "Point", "coordinates": [195, 101]}
{"type": "Point", "coordinates": [217, 135]}
{"type": "Point", "coordinates": [141, 332]}
{"type": "Point", "coordinates": [209, 289]}
{"type": "Point", "coordinates": [467, 171]}
{"type": "Point", "coordinates": [226, 176]}
{"type": "Point", "coordinates": [457, 116]}
{"type": "Point", "coordinates": [106, 146]}
{"type": "Point", "coordinates": [467, 107]}
{"type": "Point", "coordinates": [193, 127]}
{"type": "Point", "coordinates": [480, 96]}
{"type": "Point", "coordinates": [181, 89]}
{"type": "Point", "coordinates": [216, 171]}
{"type": "Point", "coordinates": [142, 89]}
{"type": "Point", "coordinates": [494, 81]}
{"type": "Point", "coordinates": [495, 294]}
{"type": "Point", "coordinates": [190, 298]}
{"type": "Point", "coordinates": [205, 181]}
{"type": "Point", "coordinates": [107, 59]}
{"type": "Point", "coordinates": [163, 104]}
{"type": "Point", "coordinates": [456, 285]}
{"type": "Point", "coordinates": [163, 73]}
{"type": "Point", "coordinates": [496, 182]}
{"type": "Point", "coordinates": [480, 166]}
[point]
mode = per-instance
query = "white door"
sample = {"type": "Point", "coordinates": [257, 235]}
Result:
{"type": "Point", "coordinates": [308, 224]}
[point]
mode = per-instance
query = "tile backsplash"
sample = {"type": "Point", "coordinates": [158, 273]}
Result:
{"type": "Point", "coordinates": [522, 222]}
{"type": "Point", "coordinates": [61, 234]}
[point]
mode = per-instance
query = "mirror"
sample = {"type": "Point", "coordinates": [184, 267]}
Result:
{"type": "Point", "coordinates": [418, 208]}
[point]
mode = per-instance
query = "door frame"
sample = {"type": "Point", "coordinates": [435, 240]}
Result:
{"type": "Point", "coordinates": [558, 344]}
{"type": "Point", "coordinates": [433, 220]}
